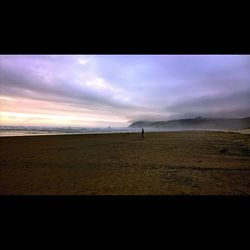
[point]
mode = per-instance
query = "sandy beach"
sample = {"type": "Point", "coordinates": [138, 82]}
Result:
{"type": "Point", "coordinates": [170, 163]}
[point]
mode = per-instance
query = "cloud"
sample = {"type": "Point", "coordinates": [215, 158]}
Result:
{"type": "Point", "coordinates": [125, 87]}
{"type": "Point", "coordinates": [85, 89]}
{"type": "Point", "coordinates": [229, 105]}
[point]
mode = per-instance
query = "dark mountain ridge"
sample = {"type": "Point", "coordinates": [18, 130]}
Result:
{"type": "Point", "coordinates": [197, 123]}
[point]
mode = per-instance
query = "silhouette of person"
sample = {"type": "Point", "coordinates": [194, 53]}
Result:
{"type": "Point", "coordinates": [142, 133]}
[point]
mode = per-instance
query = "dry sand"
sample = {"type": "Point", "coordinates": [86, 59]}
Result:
{"type": "Point", "coordinates": [178, 163]}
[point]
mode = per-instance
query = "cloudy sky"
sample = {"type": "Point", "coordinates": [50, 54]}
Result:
{"type": "Point", "coordinates": [115, 90]}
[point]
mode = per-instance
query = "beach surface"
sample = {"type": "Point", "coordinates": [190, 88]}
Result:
{"type": "Point", "coordinates": [169, 163]}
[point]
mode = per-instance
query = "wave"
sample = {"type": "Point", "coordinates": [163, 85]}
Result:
{"type": "Point", "coordinates": [36, 130]}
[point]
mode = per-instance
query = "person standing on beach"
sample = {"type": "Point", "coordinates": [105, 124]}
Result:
{"type": "Point", "coordinates": [142, 133]}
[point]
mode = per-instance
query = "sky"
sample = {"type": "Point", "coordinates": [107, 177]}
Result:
{"type": "Point", "coordinates": [116, 90]}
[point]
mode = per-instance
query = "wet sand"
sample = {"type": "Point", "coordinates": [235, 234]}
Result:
{"type": "Point", "coordinates": [170, 163]}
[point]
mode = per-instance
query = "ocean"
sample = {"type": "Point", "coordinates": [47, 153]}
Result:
{"type": "Point", "coordinates": [6, 131]}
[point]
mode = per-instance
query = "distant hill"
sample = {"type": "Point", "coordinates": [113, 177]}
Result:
{"type": "Point", "coordinates": [196, 123]}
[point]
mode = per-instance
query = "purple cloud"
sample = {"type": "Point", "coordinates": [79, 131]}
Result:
{"type": "Point", "coordinates": [124, 88]}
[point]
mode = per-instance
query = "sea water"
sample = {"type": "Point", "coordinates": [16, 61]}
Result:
{"type": "Point", "coordinates": [6, 131]}
{"type": "Point", "coordinates": [38, 130]}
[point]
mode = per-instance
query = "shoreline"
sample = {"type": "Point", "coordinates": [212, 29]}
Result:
{"type": "Point", "coordinates": [128, 132]}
